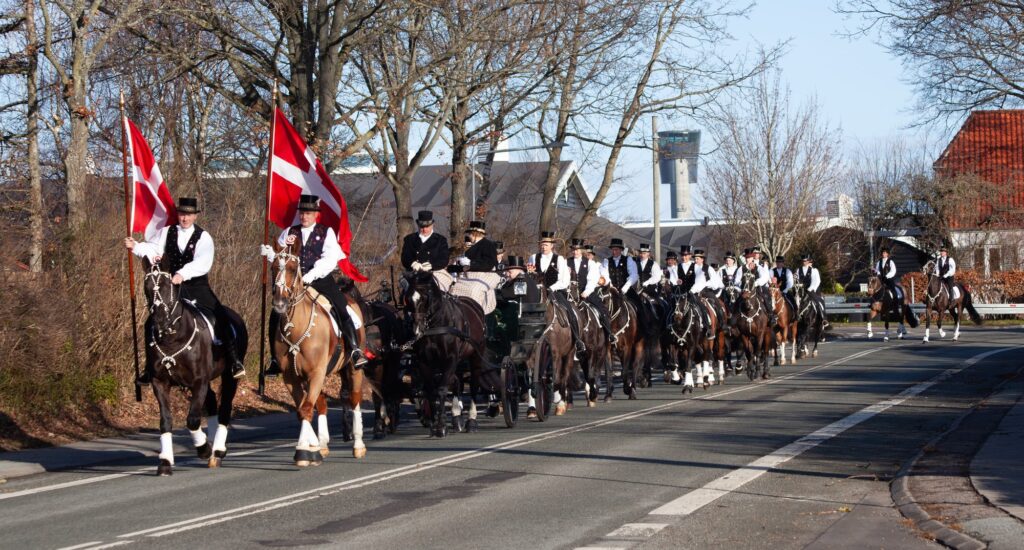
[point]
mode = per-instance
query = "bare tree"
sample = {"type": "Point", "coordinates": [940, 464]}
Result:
{"type": "Point", "coordinates": [885, 177]}
{"type": "Point", "coordinates": [775, 165]}
{"type": "Point", "coordinates": [963, 55]}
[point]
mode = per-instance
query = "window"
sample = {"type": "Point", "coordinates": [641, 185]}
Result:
{"type": "Point", "coordinates": [979, 259]}
{"type": "Point", "coordinates": [994, 260]}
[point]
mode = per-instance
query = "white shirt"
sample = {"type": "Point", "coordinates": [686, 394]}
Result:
{"type": "Point", "coordinates": [423, 238]}
{"type": "Point", "coordinates": [764, 275]}
{"type": "Point", "coordinates": [815, 278]}
{"type": "Point", "coordinates": [672, 274]}
{"type": "Point", "coordinates": [564, 277]}
{"type": "Point", "coordinates": [952, 267]}
{"type": "Point", "coordinates": [329, 258]}
{"type": "Point", "coordinates": [731, 275]}
{"type": "Point", "coordinates": [655, 277]}
{"type": "Point", "coordinates": [593, 274]}
{"type": "Point", "coordinates": [700, 282]}
{"type": "Point", "coordinates": [631, 279]}
{"type": "Point", "coordinates": [202, 259]}
{"type": "Point", "coordinates": [787, 282]}
{"type": "Point", "coordinates": [890, 273]}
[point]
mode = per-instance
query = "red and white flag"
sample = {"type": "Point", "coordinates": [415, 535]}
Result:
{"type": "Point", "coordinates": [296, 170]}
{"type": "Point", "coordinates": [152, 205]}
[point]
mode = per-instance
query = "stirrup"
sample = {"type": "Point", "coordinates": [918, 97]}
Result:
{"type": "Point", "coordinates": [274, 370]}
{"type": "Point", "coordinates": [144, 378]}
{"type": "Point", "coordinates": [238, 370]}
{"type": "Point", "coordinates": [358, 358]}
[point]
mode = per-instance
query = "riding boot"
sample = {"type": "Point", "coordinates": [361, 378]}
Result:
{"type": "Point", "coordinates": [348, 330]}
{"type": "Point", "coordinates": [145, 377]}
{"type": "Point", "coordinates": [227, 343]}
{"type": "Point", "coordinates": [767, 299]}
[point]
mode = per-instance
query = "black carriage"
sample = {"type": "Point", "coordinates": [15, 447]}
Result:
{"type": "Point", "coordinates": [514, 330]}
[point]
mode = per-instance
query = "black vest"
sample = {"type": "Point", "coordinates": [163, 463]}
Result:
{"type": "Point", "coordinates": [885, 267]}
{"type": "Point", "coordinates": [618, 273]}
{"type": "Point", "coordinates": [943, 266]}
{"type": "Point", "coordinates": [780, 274]}
{"type": "Point", "coordinates": [645, 273]}
{"type": "Point", "coordinates": [177, 258]}
{"type": "Point", "coordinates": [550, 276]}
{"type": "Point", "coordinates": [687, 276]}
{"type": "Point", "coordinates": [581, 276]}
{"type": "Point", "coordinates": [805, 278]}
{"type": "Point", "coordinates": [313, 248]}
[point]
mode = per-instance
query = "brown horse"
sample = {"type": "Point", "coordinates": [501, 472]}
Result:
{"type": "Point", "coordinates": [180, 352]}
{"type": "Point", "coordinates": [757, 338]}
{"type": "Point", "coordinates": [595, 358]}
{"type": "Point", "coordinates": [690, 348]}
{"type": "Point", "coordinates": [886, 305]}
{"type": "Point", "coordinates": [628, 343]}
{"type": "Point", "coordinates": [557, 349]}
{"type": "Point", "coordinates": [785, 328]}
{"type": "Point", "coordinates": [939, 300]}
{"type": "Point", "coordinates": [308, 350]}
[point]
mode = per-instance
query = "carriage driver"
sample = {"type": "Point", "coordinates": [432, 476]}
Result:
{"type": "Point", "coordinates": [481, 252]}
{"type": "Point", "coordinates": [705, 283]}
{"type": "Point", "coordinates": [585, 274]}
{"type": "Point", "coordinates": [945, 268]}
{"type": "Point", "coordinates": [554, 274]}
{"type": "Point", "coordinates": [189, 252]}
{"type": "Point", "coordinates": [319, 254]}
{"type": "Point", "coordinates": [885, 268]}
{"type": "Point", "coordinates": [424, 250]}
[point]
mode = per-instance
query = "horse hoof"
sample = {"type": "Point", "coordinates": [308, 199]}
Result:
{"type": "Point", "coordinates": [607, 399]}
{"type": "Point", "coordinates": [472, 426]}
{"type": "Point", "coordinates": [900, 337]}
{"type": "Point", "coordinates": [304, 457]}
{"type": "Point", "coordinates": [324, 451]}
{"type": "Point", "coordinates": [214, 462]}
{"type": "Point", "coordinates": [560, 409]}
{"type": "Point", "coordinates": [165, 468]}
{"type": "Point", "coordinates": [591, 404]}
{"type": "Point", "coordinates": [815, 354]}
{"type": "Point", "coordinates": [358, 453]}
{"type": "Point", "coordinates": [458, 424]}
{"type": "Point", "coordinates": [885, 339]}
{"type": "Point", "coordinates": [531, 413]}
{"type": "Point", "coordinates": [317, 458]}
{"type": "Point", "coordinates": [204, 451]}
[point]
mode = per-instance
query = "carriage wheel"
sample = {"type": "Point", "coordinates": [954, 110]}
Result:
{"type": "Point", "coordinates": [542, 386]}
{"type": "Point", "coordinates": [509, 393]}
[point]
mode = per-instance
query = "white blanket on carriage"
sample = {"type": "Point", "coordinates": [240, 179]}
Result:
{"type": "Point", "coordinates": [476, 285]}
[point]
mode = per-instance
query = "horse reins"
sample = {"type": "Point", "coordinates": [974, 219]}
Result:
{"type": "Point", "coordinates": [284, 258]}
{"type": "Point", "coordinates": [168, 361]}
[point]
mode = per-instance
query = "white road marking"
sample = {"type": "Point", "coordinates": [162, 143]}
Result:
{"type": "Point", "coordinates": [636, 530]}
{"type": "Point", "coordinates": [295, 498]}
{"type": "Point", "coordinates": [81, 546]}
{"type": "Point", "coordinates": [722, 486]}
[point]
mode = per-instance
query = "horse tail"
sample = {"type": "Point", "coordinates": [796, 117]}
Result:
{"type": "Point", "coordinates": [911, 317]}
{"type": "Point", "coordinates": [969, 306]}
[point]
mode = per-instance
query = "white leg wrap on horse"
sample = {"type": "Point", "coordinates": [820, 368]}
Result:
{"type": "Point", "coordinates": [557, 398]}
{"type": "Point", "coordinates": [220, 441]}
{"type": "Point", "coordinates": [675, 375]}
{"type": "Point", "coordinates": [357, 427]}
{"type": "Point", "coordinates": [198, 437]}
{"type": "Point", "coordinates": [721, 370]}
{"type": "Point", "coordinates": [709, 372]}
{"type": "Point", "coordinates": [307, 437]}
{"type": "Point", "coordinates": [530, 401]}
{"type": "Point", "coordinates": [689, 379]}
{"type": "Point", "coordinates": [456, 406]}
{"type": "Point", "coordinates": [167, 447]}
{"type": "Point", "coordinates": [211, 426]}
{"type": "Point", "coordinates": [472, 409]}
{"type": "Point", "coordinates": [322, 432]}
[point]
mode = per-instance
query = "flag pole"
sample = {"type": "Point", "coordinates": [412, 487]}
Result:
{"type": "Point", "coordinates": [266, 240]}
{"type": "Point", "coordinates": [131, 257]}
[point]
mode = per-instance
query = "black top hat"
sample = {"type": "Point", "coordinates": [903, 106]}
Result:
{"type": "Point", "coordinates": [616, 243]}
{"type": "Point", "coordinates": [756, 250]}
{"type": "Point", "coordinates": [644, 247]}
{"type": "Point", "coordinates": [477, 225]}
{"type": "Point", "coordinates": [588, 248]}
{"type": "Point", "coordinates": [188, 205]}
{"type": "Point", "coordinates": [780, 259]}
{"type": "Point", "coordinates": [729, 255]}
{"type": "Point", "coordinates": [547, 236]}
{"type": "Point", "coordinates": [309, 203]}
{"type": "Point", "coordinates": [576, 243]}
{"type": "Point", "coordinates": [746, 252]}
{"type": "Point", "coordinates": [698, 253]}
{"type": "Point", "coordinates": [499, 246]}
{"type": "Point", "coordinates": [806, 258]}
{"type": "Point", "coordinates": [515, 261]}
{"type": "Point", "coordinates": [424, 218]}
{"type": "Point", "coordinates": [671, 255]}
{"type": "Point", "coordinates": [714, 266]}
{"type": "Point", "coordinates": [686, 250]}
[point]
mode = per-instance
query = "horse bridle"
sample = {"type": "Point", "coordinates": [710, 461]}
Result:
{"type": "Point", "coordinates": [687, 307]}
{"type": "Point", "coordinates": [167, 360]}
{"type": "Point", "coordinates": [283, 259]}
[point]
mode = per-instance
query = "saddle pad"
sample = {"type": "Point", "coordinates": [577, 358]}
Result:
{"type": "Point", "coordinates": [209, 324]}
{"type": "Point", "coordinates": [356, 316]}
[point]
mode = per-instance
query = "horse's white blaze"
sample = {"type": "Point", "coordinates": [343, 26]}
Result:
{"type": "Point", "coordinates": [220, 441]}
{"type": "Point", "coordinates": [472, 409]}
{"type": "Point", "coordinates": [307, 437]}
{"type": "Point", "coordinates": [357, 428]}
{"type": "Point", "coordinates": [322, 433]}
{"type": "Point", "coordinates": [415, 296]}
{"type": "Point", "coordinates": [166, 447]}
{"type": "Point", "coordinates": [689, 379]}
{"type": "Point", "coordinates": [198, 437]}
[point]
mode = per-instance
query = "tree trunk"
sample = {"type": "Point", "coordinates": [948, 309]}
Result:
{"type": "Point", "coordinates": [76, 160]}
{"type": "Point", "coordinates": [35, 261]}
{"type": "Point", "coordinates": [460, 147]}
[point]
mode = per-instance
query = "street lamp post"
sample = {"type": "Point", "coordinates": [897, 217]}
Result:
{"type": "Point", "coordinates": [472, 178]}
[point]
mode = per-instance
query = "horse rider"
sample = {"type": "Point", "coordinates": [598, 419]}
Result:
{"type": "Point", "coordinates": [672, 268]}
{"type": "Point", "coordinates": [764, 279]}
{"type": "Point", "coordinates": [553, 271]}
{"type": "Point", "coordinates": [686, 273]}
{"type": "Point", "coordinates": [319, 254]}
{"type": "Point", "coordinates": [885, 268]}
{"type": "Point", "coordinates": [945, 268]}
{"type": "Point", "coordinates": [425, 250]}
{"type": "Point", "coordinates": [783, 278]}
{"type": "Point", "coordinates": [189, 252]}
{"type": "Point", "coordinates": [705, 283]}
{"type": "Point", "coordinates": [649, 276]}
{"type": "Point", "coordinates": [809, 277]}
{"type": "Point", "coordinates": [731, 274]}
{"type": "Point", "coordinates": [588, 252]}
{"type": "Point", "coordinates": [620, 270]}
{"type": "Point", "coordinates": [585, 274]}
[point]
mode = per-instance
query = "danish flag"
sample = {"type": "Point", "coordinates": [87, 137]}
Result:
{"type": "Point", "coordinates": [296, 170]}
{"type": "Point", "coordinates": [152, 205]}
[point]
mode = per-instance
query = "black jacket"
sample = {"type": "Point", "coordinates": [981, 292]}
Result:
{"type": "Point", "coordinates": [483, 255]}
{"type": "Point", "coordinates": [434, 250]}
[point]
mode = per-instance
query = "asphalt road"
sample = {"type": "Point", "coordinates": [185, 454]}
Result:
{"type": "Point", "coordinates": [800, 461]}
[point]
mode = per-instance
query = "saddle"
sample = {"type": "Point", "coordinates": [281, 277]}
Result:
{"type": "Point", "coordinates": [355, 314]}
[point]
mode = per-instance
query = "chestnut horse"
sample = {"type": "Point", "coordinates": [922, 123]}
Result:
{"type": "Point", "coordinates": [308, 350]}
{"type": "Point", "coordinates": [180, 352]}
{"type": "Point", "coordinates": [785, 328]}
{"type": "Point", "coordinates": [628, 341]}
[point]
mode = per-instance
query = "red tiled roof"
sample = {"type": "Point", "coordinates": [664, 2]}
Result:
{"type": "Point", "coordinates": [990, 145]}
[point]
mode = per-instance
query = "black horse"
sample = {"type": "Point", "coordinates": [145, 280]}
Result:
{"type": "Point", "coordinates": [180, 352]}
{"type": "Point", "coordinates": [810, 321]}
{"type": "Point", "coordinates": [385, 335]}
{"type": "Point", "coordinates": [448, 331]}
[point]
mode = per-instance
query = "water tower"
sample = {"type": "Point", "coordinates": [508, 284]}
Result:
{"type": "Point", "coordinates": [677, 161]}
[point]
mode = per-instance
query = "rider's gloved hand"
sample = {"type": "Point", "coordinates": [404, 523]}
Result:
{"type": "Point", "coordinates": [307, 278]}
{"type": "Point", "coordinates": [425, 266]}
{"type": "Point", "coordinates": [267, 252]}
{"type": "Point", "coordinates": [463, 260]}
{"type": "Point", "coordinates": [416, 266]}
